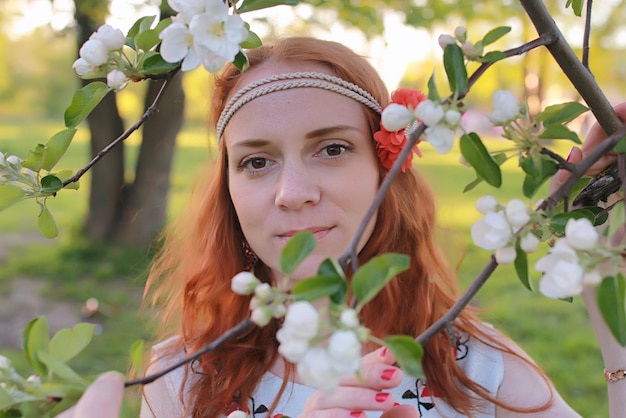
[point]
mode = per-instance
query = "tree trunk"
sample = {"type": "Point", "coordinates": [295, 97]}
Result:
{"type": "Point", "coordinates": [144, 209]}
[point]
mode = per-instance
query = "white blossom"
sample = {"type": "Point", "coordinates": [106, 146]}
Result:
{"type": "Point", "coordinates": [316, 370]}
{"type": "Point", "coordinates": [460, 33]}
{"type": "Point", "coordinates": [187, 9]}
{"type": "Point", "coordinates": [517, 213]}
{"type": "Point", "coordinates": [429, 112]}
{"type": "Point", "coordinates": [452, 117]}
{"type": "Point", "coordinates": [445, 40]}
{"type": "Point", "coordinates": [263, 291]}
{"type": "Point", "coordinates": [82, 67]}
{"type": "Point", "coordinates": [396, 117]}
{"type": "Point", "coordinates": [440, 137]}
{"type": "Point", "coordinates": [5, 363]}
{"type": "Point", "coordinates": [176, 45]}
{"type": "Point", "coordinates": [506, 107]}
{"type": "Point", "coordinates": [470, 50]}
{"type": "Point", "coordinates": [529, 243]}
{"type": "Point", "coordinates": [592, 278]}
{"type": "Point", "coordinates": [291, 348]}
{"type": "Point", "coordinates": [301, 320]}
{"type": "Point", "coordinates": [94, 52]}
{"type": "Point", "coordinates": [279, 310]}
{"type": "Point", "coordinates": [14, 161]}
{"type": "Point", "coordinates": [112, 39]}
{"type": "Point", "coordinates": [505, 255]}
{"type": "Point", "coordinates": [486, 204]}
{"type": "Point", "coordinates": [581, 234]}
{"type": "Point", "coordinates": [116, 79]}
{"type": "Point", "coordinates": [349, 318]}
{"type": "Point", "coordinates": [261, 316]}
{"type": "Point", "coordinates": [34, 380]}
{"type": "Point", "coordinates": [344, 349]}
{"type": "Point", "coordinates": [238, 414]}
{"type": "Point", "coordinates": [491, 231]}
{"type": "Point", "coordinates": [219, 31]}
{"type": "Point", "coordinates": [244, 283]}
{"type": "Point", "coordinates": [562, 274]}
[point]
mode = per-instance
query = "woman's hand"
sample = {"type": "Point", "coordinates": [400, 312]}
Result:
{"type": "Point", "coordinates": [354, 395]}
{"type": "Point", "coordinates": [576, 154]}
{"type": "Point", "coordinates": [102, 399]}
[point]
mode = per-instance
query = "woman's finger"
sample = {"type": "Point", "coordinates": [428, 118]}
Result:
{"type": "Point", "coordinates": [401, 411]}
{"type": "Point", "coordinates": [102, 399]}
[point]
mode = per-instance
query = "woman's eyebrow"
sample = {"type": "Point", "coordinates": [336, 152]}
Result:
{"type": "Point", "coordinates": [251, 143]}
{"type": "Point", "coordinates": [329, 130]}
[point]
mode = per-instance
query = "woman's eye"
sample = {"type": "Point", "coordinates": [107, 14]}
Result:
{"type": "Point", "coordinates": [255, 163]}
{"type": "Point", "coordinates": [334, 150]}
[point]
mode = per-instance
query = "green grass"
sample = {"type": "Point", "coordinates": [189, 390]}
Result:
{"type": "Point", "coordinates": [556, 334]}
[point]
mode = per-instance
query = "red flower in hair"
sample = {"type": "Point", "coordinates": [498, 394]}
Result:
{"type": "Point", "coordinates": [390, 144]}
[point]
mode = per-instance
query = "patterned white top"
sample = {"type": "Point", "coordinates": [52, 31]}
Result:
{"type": "Point", "coordinates": [481, 363]}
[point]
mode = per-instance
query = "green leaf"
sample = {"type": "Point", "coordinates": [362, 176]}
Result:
{"type": "Point", "coordinates": [495, 34]}
{"type": "Point", "coordinates": [241, 61]}
{"type": "Point", "coordinates": [154, 64]}
{"type": "Point", "coordinates": [34, 340]}
{"type": "Point", "coordinates": [136, 355]}
{"type": "Point", "coordinates": [454, 64]}
{"type": "Point", "coordinates": [252, 41]}
{"type": "Point", "coordinates": [251, 5]}
{"type": "Point", "coordinates": [407, 352]}
{"type": "Point", "coordinates": [64, 175]}
{"type": "Point", "coordinates": [521, 266]}
{"type": "Point", "coordinates": [34, 160]}
{"type": "Point", "coordinates": [537, 170]}
{"type": "Point", "coordinates": [147, 40]}
{"type": "Point", "coordinates": [499, 158]}
{"type": "Point", "coordinates": [296, 250]}
{"type": "Point", "coordinates": [67, 343]}
{"type": "Point", "coordinates": [60, 369]}
{"type": "Point", "coordinates": [577, 6]}
{"type": "Point", "coordinates": [330, 267]}
{"type": "Point", "coordinates": [561, 113]}
{"type": "Point", "coordinates": [140, 25]}
{"type": "Point", "coordinates": [433, 94]}
{"type": "Point", "coordinates": [56, 147]}
{"type": "Point", "coordinates": [83, 102]}
{"type": "Point", "coordinates": [10, 195]}
{"type": "Point", "coordinates": [474, 151]}
{"type": "Point", "coordinates": [371, 277]}
{"type": "Point", "coordinates": [611, 296]}
{"type": "Point", "coordinates": [51, 184]}
{"type": "Point", "coordinates": [558, 221]}
{"type": "Point", "coordinates": [6, 400]}
{"type": "Point", "coordinates": [559, 132]}
{"type": "Point", "coordinates": [617, 218]}
{"type": "Point", "coordinates": [46, 223]}
{"type": "Point", "coordinates": [318, 287]}
{"type": "Point", "coordinates": [492, 56]}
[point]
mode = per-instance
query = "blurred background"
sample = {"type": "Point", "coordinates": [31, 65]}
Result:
{"type": "Point", "coordinates": [94, 270]}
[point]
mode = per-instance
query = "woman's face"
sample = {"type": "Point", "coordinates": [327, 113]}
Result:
{"type": "Point", "coordinates": [300, 160]}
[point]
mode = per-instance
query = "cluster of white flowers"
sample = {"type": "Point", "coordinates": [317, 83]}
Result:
{"type": "Point", "coordinates": [441, 121]}
{"type": "Point", "coordinates": [470, 50]}
{"type": "Point", "coordinates": [267, 303]}
{"type": "Point", "coordinates": [506, 108]}
{"type": "Point", "coordinates": [100, 53]}
{"type": "Point", "coordinates": [496, 230]}
{"type": "Point", "coordinates": [564, 270]}
{"type": "Point", "coordinates": [12, 172]}
{"type": "Point", "coordinates": [203, 32]}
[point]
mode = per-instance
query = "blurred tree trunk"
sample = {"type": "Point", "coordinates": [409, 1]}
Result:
{"type": "Point", "coordinates": [121, 212]}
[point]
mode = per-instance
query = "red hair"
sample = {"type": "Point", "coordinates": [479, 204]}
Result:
{"type": "Point", "coordinates": [191, 275]}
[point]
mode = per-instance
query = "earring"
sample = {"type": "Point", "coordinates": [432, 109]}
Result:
{"type": "Point", "coordinates": [249, 256]}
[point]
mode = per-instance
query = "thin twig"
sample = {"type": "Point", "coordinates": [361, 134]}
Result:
{"type": "Point", "coordinates": [229, 334]}
{"type": "Point", "coordinates": [587, 34]}
{"type": "Point", "coordinates": [152, 109]}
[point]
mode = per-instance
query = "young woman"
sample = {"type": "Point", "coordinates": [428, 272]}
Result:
{"type": "Point", "coordinates": [297, 152]}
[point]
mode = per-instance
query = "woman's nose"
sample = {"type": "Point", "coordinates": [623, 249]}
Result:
{"type": "Point", "coordinates": [296, 188]}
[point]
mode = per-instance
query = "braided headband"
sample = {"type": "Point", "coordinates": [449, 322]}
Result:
{"type": "Point", "coordinates": [280, 82]}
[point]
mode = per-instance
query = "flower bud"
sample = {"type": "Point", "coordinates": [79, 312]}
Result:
{"type": "Point", "coordinates": [116, 80]}
{"type": "Point", "coordinates": [506, 107]}
{"type": "Point", "coordinates": [349, 318]}
{"type": "Point", "coordinates": [529, 243]}
{"type": "Point", "coordinates": [452, 117]}
{"type": "Point", "coordinates": [487, 204]}
{"type": "Point", "coordinates": [505, 255]}
{"type": "Point", "coordinates": [492, 231]}
{"type": "Point", "coordinates": [14, 161]}
{"type": "Point", "coordinates": [592, 278]}
{"type": "Point", "coordinates": [445, 40]}
{"type": "Point", "coordinates": [301, 320]}
{"type": "Point", "coordinates": [581, 234]}
{"type": "Point", "coordinates": [261, 316]}
{"type": "Point", "coordinates": [396, 117]}
{"type": "Point", "coordinates": [429, 112]}
{"type": "Point", "coordinates": [94, 52]}
{"type": "Point", "coordinates": [291, 347]}
{"type": "Point", "coordinates": [238, 414]}
{"type": "Point", "coordinates": [263, 291]}
{"type": "Point", "coordinates": [460, 33]}
{"type": "Point", "coordinates": [279, 311]}
{"type": "Point", "coordinates": [112, 39]}
{"type": "Point", "coordinates": [316, 370]}
{"type": "Point", "coordinates": [81, 67]}
{"type": "Point", "coordinates": [470, 50]}
{"type": "Point", "coordinates": [441, 137]}
{"type": "Point", "coordinates": [5, 363]}
{"type": "Point", "coordinates": [244, 283]}
{"type": "Point", "coordinates": [517, 213]}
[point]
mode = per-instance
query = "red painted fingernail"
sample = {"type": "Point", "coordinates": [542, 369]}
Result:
{"type": "Point", "coordinates": [396, 404]}
{"type": "Point", "coordinates": [381, 397]}
{"type": "Point", "coordinates": [388, 374]}
{"type": "Point", "coordinates": [356, 414]}
{"type": "Point", "coordinates": [570, 154]}
{"type": "Point", "coordinates": [384, 352]}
